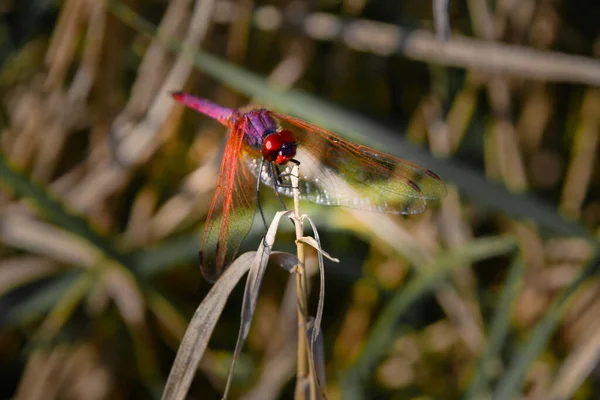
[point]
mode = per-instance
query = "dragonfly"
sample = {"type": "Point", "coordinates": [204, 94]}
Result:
{"type": "Point", "coordinates": [261, 148]}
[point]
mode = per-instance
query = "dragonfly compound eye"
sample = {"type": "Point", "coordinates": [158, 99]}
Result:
{"type": "Point", "coordinates": [271, 146]}
{"type": "Point", "coordinates": [287, 152]}
{"type": "Point", "coordinates": [287, 136]}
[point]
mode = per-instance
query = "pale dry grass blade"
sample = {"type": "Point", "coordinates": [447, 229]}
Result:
{"type": "Point", "coordinates": [156, 61]}
{"type": "Point", "coordinates": [504, 160]}
{"type": "Point", "coordinates": [441, 19]}
{"type": "Point", "coordinates": [276, 372]}
{"type": "Point", "coordinates": [38, 379]}
{"type": "Point", "coordinates": [20, 270]}
{"type": "Point", "coordinates": [64, 41]}
{"type": "Point", "coordinates": [457, 51]}
{"type": "Point", "coordinates": [62, 184]}
{"type": "Point", "coordinates": [535, 116]}
{"type": "Point", "coordinates": [67, 108]}
{"type": "Point", "coordinates": [75, 372]}
{"type": "Point", "coordinates": [291, 68]}
{"type": "Point", "coordinates": [192, 196]}
{"type": "Point", "coordinates": [173, 325]}
{"type": "Point", "coordinates": [580, 320]}
{"type": "Point", "coordinates": [390, 232]}
{"type": "Point", "coordinates": [437, 129]}
{"type": "Point", "coordinates": [503, 144]}
{"type": "Point", "coordinates": [141, 141]}
{"type": "Point", "coordinates": [577, 366]}
{"type": "Point", "coordinates": [137, 232]}
{"type": "Point", "coordinates": [50, 147]}
{"type": "Point", "coordinates": [317, 351]}
{"type": "Point", "coordinates": [316, 244]}
{"type": "Point", "coordinates": [455, 232]}
{"type": "Point", "coordinates": [416, 130]}
{"type": "Point", "coordinates": [137, 141]}
{"type": "Point", "coordinates": [26, 233]}
{"type": "Point", "coordinates": [200, 328]}
{"type": "Point", "coordinates": [195, 340]}
{"type": "Point", "coordinates": [251, 291]}
{"type": "Point", "coordinates": [481, 19]}
{"type": "Point", "coordinates": [583, 155]}
{"type": "Point", "coordinates": [312, 242]}
{"type": "Point", "coordinates": [461, 112]}
{"type": "Point", "coordinates": [87, 72]}
{"type": "Point", "coordinates": [29, 116]}
{"type": "Point", "coordinates": [123, 289]}
{"type": "Point", "coordinates": [86, 376]}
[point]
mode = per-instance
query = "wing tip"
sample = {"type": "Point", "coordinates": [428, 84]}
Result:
{"type": "Point", "coordinates": [209, 277]}
{"type": "Point", "coordinates": [440, 188]}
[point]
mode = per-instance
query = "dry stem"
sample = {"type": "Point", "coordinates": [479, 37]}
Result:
{"type": "Point", "coordinates": [304, 369]}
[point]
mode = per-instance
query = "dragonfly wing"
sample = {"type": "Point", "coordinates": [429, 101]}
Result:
{"type": "Point", "coordinates": [334, 171]}
{"type": "Point", "coordinates": [231, 212]}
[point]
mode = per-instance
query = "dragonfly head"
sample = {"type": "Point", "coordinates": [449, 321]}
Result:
{"type": "Point", "coordinates": [279, 146]}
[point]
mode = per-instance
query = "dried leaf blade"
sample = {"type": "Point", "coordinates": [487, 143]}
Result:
{"type": "Point", "coordinates": [198, 334]}
{"type": "Point", "coordinates": [257, 271]}
{"type": "Point", "coordinates": [314, 244]}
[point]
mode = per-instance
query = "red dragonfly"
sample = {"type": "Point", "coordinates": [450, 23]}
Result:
{"type": "Point", "coordinates": [333, 172]}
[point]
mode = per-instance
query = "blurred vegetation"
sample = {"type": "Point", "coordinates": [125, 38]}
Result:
{"type": "Point", "coordinates": [106, 184]}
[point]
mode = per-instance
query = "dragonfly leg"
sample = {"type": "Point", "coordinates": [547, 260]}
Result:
{"type": "Point", "coordinates": [277, 183]}
{"type": "Point", "coordinates": [262, 215]}
{"type": "Point", "coordinates": [280, 174]}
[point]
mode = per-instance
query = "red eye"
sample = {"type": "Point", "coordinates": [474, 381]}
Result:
{"type": "Point", "coordinates": [287, 136]}
{"type": "Point", "coordinates": [271, 146]}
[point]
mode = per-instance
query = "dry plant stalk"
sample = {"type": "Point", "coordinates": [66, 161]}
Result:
{"type": "Point", "coordinates": [200, 328]}
{"type": "Point", "coordinates": [304, 367]}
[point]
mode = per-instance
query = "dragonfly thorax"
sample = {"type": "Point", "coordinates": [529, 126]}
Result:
{"type": "Point", "coordinates": [279, 146]}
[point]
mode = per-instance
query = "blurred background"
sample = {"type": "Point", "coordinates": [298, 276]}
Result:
{"type": "Point", "coordinates": [106, 183]}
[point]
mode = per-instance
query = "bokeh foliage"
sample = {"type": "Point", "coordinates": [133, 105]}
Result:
{"type": "Point", "coordinates": [106, 183]}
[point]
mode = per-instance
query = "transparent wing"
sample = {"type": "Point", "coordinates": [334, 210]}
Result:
{"type": "Point", "coordinates": [231, 211]}
{"type": "Point", "coordinates": [336, 172]}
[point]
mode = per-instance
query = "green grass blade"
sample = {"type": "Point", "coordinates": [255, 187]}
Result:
{"type": "Point", "coordinates": [384, 330]}
{"type": "Point", "coordinates": [38, 303]}
{"type": "Point", "coordinates": [479, 388]}
{"type": "Point", "coordinates": [65, 306]}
